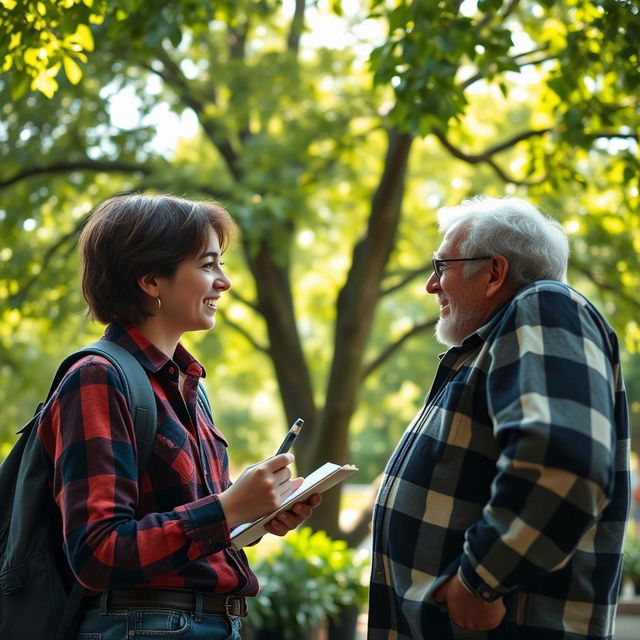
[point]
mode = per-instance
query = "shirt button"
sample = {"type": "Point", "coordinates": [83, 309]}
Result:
{"type": "Point", "coordinates": [172, 370]}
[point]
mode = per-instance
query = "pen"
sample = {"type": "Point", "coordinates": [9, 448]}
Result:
{"type": "Point", "coordinates": [290, 437]}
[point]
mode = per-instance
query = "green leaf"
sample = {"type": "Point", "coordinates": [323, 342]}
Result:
{"type": "Point", "coordinates": [336, 7]}
{"type": "Point", "coordinates": [72, 70]}
{"type": "Point", "coordinates": [83, 37]}
{"type": "Point", "coordinates": [18, 86]}
{"type": "Point", "coordinates": [629, 174]}
{"type": "Point", "coordinates": [45, 81]}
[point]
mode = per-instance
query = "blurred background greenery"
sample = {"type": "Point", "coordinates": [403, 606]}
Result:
{"type": "Point", "coordinates": [332, 131]}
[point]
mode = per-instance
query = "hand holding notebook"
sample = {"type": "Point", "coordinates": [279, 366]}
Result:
{"type": "Point", "coordinates": [321, 480]}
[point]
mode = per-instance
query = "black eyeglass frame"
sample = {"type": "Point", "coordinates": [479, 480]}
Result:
{"type": "Point", "coordinates": [438, 262]}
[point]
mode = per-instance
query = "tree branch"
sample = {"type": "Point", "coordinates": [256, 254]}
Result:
{"type": "Point", "coordinates": [510, 8]}
{"type": "Point", "coordinates": [297, 27]}
{"type": "Point", "coordinates": [237, 42]}
{"type": "Point", "coordinates": [80, 165]}
{"type": "Point", "coordinates": [172, 75]}
{"type": "Point", "coordinates": [488, 17]}
{"type": "Point", "coordinates": [612, 134]}
{"type": "Point", "coordinates": [479, 76]}
{"type": "Point", "coordinates": [528, 53]}
{"type": "Point", "coordinates": [407, 276]}
{"type": "Point", "coordinates": [486, 156]}
{"type": "Point", "coordinates": [508, 179]}
{"type": "Point", "coordinates": [243, 332]}
{"type": "Point", "coordinates": [475, 158]}
{"type": "Point", "coordinates": [236, 296]}
{"type": "Point", "coordinates": [390, 349]}
{"type": "Point", "coordinates": [237, 39]}
{"type": "Point", "coordinates": [17, 299]}
{"type": "Point", "coordinates": [603, 284]}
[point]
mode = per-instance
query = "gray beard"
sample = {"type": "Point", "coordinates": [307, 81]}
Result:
{"type": "Point", "coordinates": [453, 329]}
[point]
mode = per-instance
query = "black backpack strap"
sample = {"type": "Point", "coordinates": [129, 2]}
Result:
{"type": "Point", "coordinates": [138, 391]}
{"type": "Point", "coordinates": [204, 400]}
{"type": "Point", "coordinates": [142, 406]}
{"type": "Point", "coordinates": [70, 620]}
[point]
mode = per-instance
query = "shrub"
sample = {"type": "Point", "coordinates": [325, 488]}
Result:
{"type": "Point", "coordinates": [308, 578]}
{"type": "Point", "coordinates": [631, 561]}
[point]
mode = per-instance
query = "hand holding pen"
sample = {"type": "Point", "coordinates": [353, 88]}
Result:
{"type": "Point", "coordinates": [262, 487]}
{"type": "Point", "coordinates": [285, 521]}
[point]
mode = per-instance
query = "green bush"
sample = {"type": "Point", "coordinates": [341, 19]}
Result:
{"type": "Point", "coordinates": [631, 559]}
{"type": "Point", "coordinates": [310, 577]}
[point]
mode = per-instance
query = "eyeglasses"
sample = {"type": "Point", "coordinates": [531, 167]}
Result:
{"type": "Point", "coordinates": [438, 264]}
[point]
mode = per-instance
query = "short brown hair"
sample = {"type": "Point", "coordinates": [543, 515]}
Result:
{"type": "Point", "coordinates": [129, 236]}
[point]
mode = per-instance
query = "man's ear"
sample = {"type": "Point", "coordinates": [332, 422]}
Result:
{"type": "Point", "coordinates": [149, 284]}
{"type": "Point", "coordinates": [498, 272]}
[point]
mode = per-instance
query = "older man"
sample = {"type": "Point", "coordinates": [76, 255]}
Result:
{"type": "Point", "coordinates": [502, 511]}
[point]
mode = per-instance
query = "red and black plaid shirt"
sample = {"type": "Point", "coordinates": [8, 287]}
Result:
{"type": "Point", "coordinates": [165, 529]}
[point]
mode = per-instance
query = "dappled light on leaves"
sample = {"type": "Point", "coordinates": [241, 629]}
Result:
{"type": "Point", "coordinates": [333, 168]}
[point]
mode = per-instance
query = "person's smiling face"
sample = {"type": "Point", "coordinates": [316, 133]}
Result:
{"type": "Point", "coordinates": [189, 298]}
{"type": "Point", "coordinates": [463, 306]}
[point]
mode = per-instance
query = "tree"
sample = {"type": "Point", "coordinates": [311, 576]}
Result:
{"type": "Point", "coordinates": [284, 126]}
{"type": "Point", "coordinates": [41, 37]}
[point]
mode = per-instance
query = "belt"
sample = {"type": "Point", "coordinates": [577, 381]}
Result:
{"type": "Point", "coordinates": [233, 606]}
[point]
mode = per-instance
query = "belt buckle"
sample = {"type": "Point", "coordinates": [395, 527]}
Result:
{"type": "Point", "coordinates": [228, 606]}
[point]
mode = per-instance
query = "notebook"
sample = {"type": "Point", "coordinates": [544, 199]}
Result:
{"type": "Point", "coordinates": [321, 480]}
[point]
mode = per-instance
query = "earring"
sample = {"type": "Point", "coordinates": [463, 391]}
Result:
{"type": "Point", "coordinates": [159, 303]}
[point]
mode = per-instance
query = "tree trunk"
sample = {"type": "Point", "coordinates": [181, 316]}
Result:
{"type": "Point", "coordinates": [357, 302]}
{"type": "Point", "coordinates": [270, 268]}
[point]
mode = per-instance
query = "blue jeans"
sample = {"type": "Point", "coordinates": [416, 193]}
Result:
{"type": "Point", "coordinates": [106, 623]}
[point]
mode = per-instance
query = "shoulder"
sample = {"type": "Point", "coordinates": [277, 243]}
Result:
{"type": "Point", "coordinates": [89, 387]}
{"type": "Point", "coordinates": [549, 293]}
{"type": "Point", "coordinates": [90, 372]}
{"type": "Point", "coordinates": [550, 298]}
{"type": "Point", "coordinates": [549, 290]}
{"type": "Point", "coordinates": [555, 305]}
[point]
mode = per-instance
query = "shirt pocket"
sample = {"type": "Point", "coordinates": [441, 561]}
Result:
{"type": "Point", "coordinates": [173, 449]}
{"type": "Point", "coordinates": [208, 429]}
{"type": "Point", "coordinates": [213, 434]}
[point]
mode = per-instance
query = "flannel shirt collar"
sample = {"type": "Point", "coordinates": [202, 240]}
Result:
{"type": "Point", "coordinates": [148, 355]}
{"type": "Point", "coordinates": [480, 335]}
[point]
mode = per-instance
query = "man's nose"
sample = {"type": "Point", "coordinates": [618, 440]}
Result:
{"type": "Point", "coordinates": [433, 284]}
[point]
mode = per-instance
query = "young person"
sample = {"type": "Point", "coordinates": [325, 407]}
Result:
{"type": "Point", "coordinates": [154, 551]}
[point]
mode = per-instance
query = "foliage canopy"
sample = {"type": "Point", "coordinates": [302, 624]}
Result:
{"type": "Point", "coordinates": [333, 168]}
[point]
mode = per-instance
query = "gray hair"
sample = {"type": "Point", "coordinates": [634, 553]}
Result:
{"type": "Point", "coordinates": [535, 245]}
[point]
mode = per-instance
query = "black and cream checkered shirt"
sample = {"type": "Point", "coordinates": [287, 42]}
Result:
{"type": "Point", "coordinates": [515, 475]}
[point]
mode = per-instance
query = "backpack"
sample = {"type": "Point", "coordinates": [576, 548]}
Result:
{"type": "Point", "coordinates": [40, 599]}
